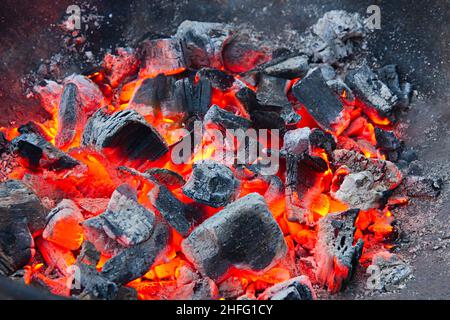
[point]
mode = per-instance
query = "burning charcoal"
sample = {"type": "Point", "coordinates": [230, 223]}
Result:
{"type": "Point", "coordinates": [94, 285]}
{"type": "Point", "coordinates": [320, 101]}
{"type": "Point", "coordinates": [298, 288]}
{"type": "Point", "coordinates": [231, 288]}
{"type": "Point", "coordinates": [80, 99]}
{"type": "Point", "coordinates": [49, 93]}
{"type": "Point", "coordinates": [291, 68]}
{"type": "Point", "coordinates": [41, 153]}
{"type": "Point", "coordinates": [267, 120]}
{"type": "Point", "coordinates": [88, 254]}
{"type": "Point", "coordinates": [393, 271]}
{"type": "Point", "coordinates": [125, 223]}
{"type": "Point", "coordinates": [19, 203]}
{"type": "Point", "coordinates": [135, 261]}
{"type": "Point", "coordinates": [385, 174]}
{"type": "Point", "coordinates": [226, 119]}
{"type": "Point", "coordinates": [211, 183]}
{"type": "Point", "coordinates": [386, 140]}
{"type": "Point", "coordinates": [156, 94]}
{"type": "Point", "coordinates": [219, 79]}
{"type": "Point", "coordinates": [359, 190]}
{"type": "Point", "coordinates": [341, 89]}
{"type": "Point", "coordinates": [172, 209]}
{"type": "Point", "coordinates": [271, 92]}
{"type": "Point", "coordinates": [126, 131]}
{"type": "Point", "coordinates": [200, 289]}
{"type": "Point", "coordinates": [243, 53]}
{"type": "Point", "coordinates": [64, 225]}
{"type": "Point", "coordinates": [195, 98]}
{"type": "Point", "coordinates": [323, 140]}
{"type": "Point", "coordinates": [159, 176]}
{"type": "Point", "coordinates": [204, 42]}
{"type": "Point", "coordinates": [334, 37]}
{"type": "Point", "coordinates": [162, 56]}
{"type": "Point", "coordinates": [389, 75]}
{"type": "Point", "coordinates": [374, 93]}
{"type": "Point", "coordinates": [120, 66]}
{"type": "Point", "coordinates": [56, 257]}
{"type": "Point", "coordinates": [244, 235]}
{"type": "Point", "coordinates": [16, 244]}
{"type": "Point", "coordinates": [335, 254]}
{"type": "Point", "coordinates": [296, 142]}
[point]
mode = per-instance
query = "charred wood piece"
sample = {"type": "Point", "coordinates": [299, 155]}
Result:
{"type": "Point", "coordinates": [244, 234]}
{"type": "Point", "coordinates": [385, 173]}
{"type": "Point", "coordinates": [335, 255]}
{"type": "Point", "coordinates": [125, 223]}
{"type": "Point", "coordinates": [387, 140]}
{"type": "Point", "coordinates": [156, 94]}
{"type": "Point", "coordinates": [211, 183]}
{"type": "Point", "coordinates": [226, 119]}
{"type": "Point", "coordinates": [162, 56]}
{"type": "Point", "coordinates": [321, 102]}
{"type": "Point", "coordinates": [271, 92]}
{"type": "Point", "coordinates": [389, 75]}
{"type": "Point", "coordinates": [298, 288]}
{"type": "Point", "coordinates": [159, 176]}
{"type": "Point", "coordinates": [218, 79]}
{"type": "Point", "coordinates": [41, 153]}
{"type": "Point", "coordinates": [94, 285]}
{"type": "Point", "coordinates": [135, 261]}
{"type": "Point", "coordinates": [290, 68]}
{"type": "Point", "coordinates": [173, 210]}
{"type": "Point", "coordinates": [64, 225]}
{"type": "Point", "coordinates": [194, 98]}
{"type": "Point", "coordinates": [374, 93]}
{"type": "Point", "coordinates": [126, 131]}
{"type": "Point", "coordinates": [204, 42]}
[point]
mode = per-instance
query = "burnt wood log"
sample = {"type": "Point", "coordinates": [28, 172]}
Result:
{"type": "Point", "coordinates": [135, 261]}
{"type": "Point", "coordinates": [335, 255]}
{"type": "Point", "coordinates": [244, 234]}
{"type": "Point", "coordinates": [126, 131]}
{"type": "Point", "coordinates": [298, 288]}
{"type": "Point", "coordinates": [226, 119]}
{"type": "Point", "coordinates": [321, 102]}
{"type": "Point", "coordinates": [162, 56]}
{"type": "Point", "coordinates": [194, 98]}
{"type": "Point", "coordinates": [374, 93]}
{"type": "Point", "coordinates": [204, 42]}
{"type": "Point", "coordinates": [156, 95]}
{"type": "Point", "coordinates": [211, 183]}
{"type": "Point", "coordinates": [79, 100]}
{"type": "Point", "coordinates": [125, 223]}
{"type": "Point", "coordinates": [41, 153]}
{"type": "Point", "coordinates": [173, 210]}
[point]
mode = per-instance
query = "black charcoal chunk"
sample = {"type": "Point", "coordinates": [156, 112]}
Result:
{"type": "Point", "coordinates": [173, 210]}
{"type": "Point", "coordinates": [68, 113]}
{"type": "Point", "coordinates": [195, 98]}
{"type": "Point", "coordinates": [335, 255]}
{"type": "Point", "coordinates": [126, 131]}
{"type": "Point", "coordinates": [219, 79]}
{"type": "Point", "coordinates": [16, 245]}
{"type": "Point", "coordinates": [156, 95]}
{"type": "Point", "coordinates": [226, 119]}
{"type": "Point", "coordinates": [211, 183]}
{"type": "Point", "coordinates": [4, 143]}
{"type": "Point", "coordinates": [374, 93]}
{"type": "Point", "coordinates": [389, 75]}
{"type": "Point", "coordinates": [298, 288]}
{"type": "Point", "coordinates": [95, 286]}
{"type": "Point", "coordinates": [19, 203]}
{"type": "Point", "coordinates": [162, 56]}
{"type": "Point", "coordinates": [204, 42]}
{"type": "Point", "coordinates": [135, 261]}
{"type": "Point", "coordinates": [271, 92]}
{"type": "Point", "coordinates": [125, 223]}
{"type": "Point", "coordinates": [290, 68]}
{"type": "Point", "coordinates": [267, 120]}
{"type": "Point", "coordinates": [244, 234]}
{"type": "Point", "coordinates": [323, 140]}
{"type": "Point", "coordinates": [386, 140]}
{"type": "Point", "coordinates": [318, 98]}
{"type": "Point", "coordinates": [41, 153]}
{"type": "Point", "coordinates": [341, 89]}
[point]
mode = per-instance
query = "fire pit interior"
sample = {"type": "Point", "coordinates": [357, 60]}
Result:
{"type": "Point", "coordinates": [212, 160]}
